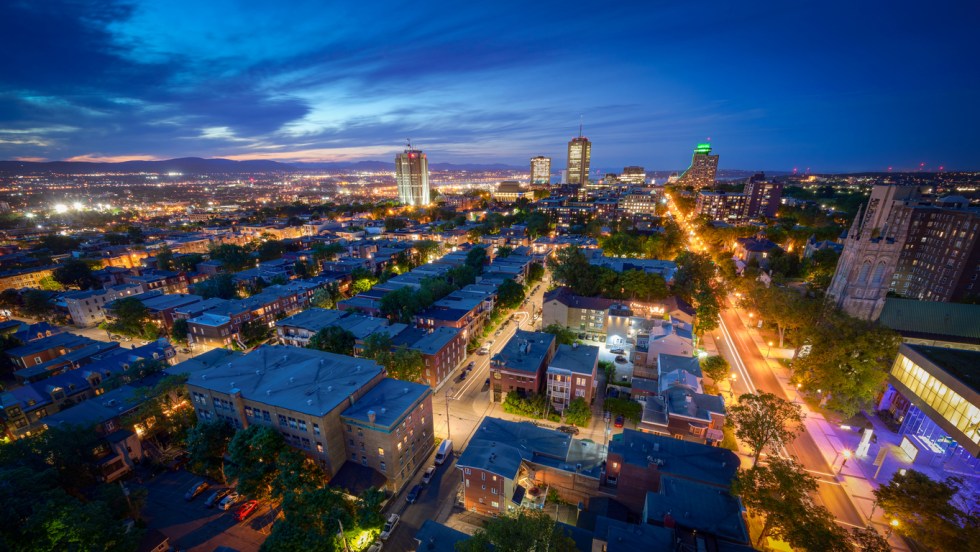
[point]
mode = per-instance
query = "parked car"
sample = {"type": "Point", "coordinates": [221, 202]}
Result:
{"type": "Point", "coordinates": [390, 525]}
{"type": "Point", "coordinates": [484, 350]}
{"type": "Point", "coordinates": [461, 376]}
{"type": "Point", "coordinates": [413, 495]}
{"type": "Point", "coordinates": [229, 501]}
{"type": "Point", "coordinates": [571, 430]}
{"type": "Point", "coordinates": [621, 359]}
{"type": "Point", "coordinates": [216, 497]}
{"type": "Point", "coordinates": [617, 351]}
{"type": "Point", "coordinates": [470, 365]}
{"type": "Point", "coordinates": [246, 510]}
{"type": "Point", "coordinates": [619, 421]}
{"type": "Point", "coordinates": [427, 476]}
{"type": "Point", "coordinates": [197, 489]}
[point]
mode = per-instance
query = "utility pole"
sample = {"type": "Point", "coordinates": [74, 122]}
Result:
{"type": "Point", "coordinates": [343, 537]}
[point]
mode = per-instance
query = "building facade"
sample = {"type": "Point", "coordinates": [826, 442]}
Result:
{"type": "Point", "coordinates": [572, 374]}
{"type": "Point", "coordinates": [540, 171]}
{"type": "Point", "coordinates": [579, 158]}
{"type": "Point", "coordinates": [520, 365]}
{"type": "Point", "coordinates": [412, 176]}
{"type": "Point", "coordinates": [761, 197]}
{"type": "Point", "coordinates": [724, 206]}
{"type": "Point", "coordinates": [703, 169]}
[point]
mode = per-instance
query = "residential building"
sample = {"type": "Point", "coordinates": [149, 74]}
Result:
{"type": "Point", "coordinates": [25, 277]}
{"type": "Point", "coordinates": [762, 198]}
{"type": "Point", "coordinates": [723, 206]}
{"type": "Point", "coordinates": [298, 329]}
{"type": "Point", "coordinates": [510, 191]}
{"type": "Point", "coordinates": [633, 175]}
{"type": "Point", "coordinates": [412, 175]}
{"type": "Point", "coordinates": [86, 307]}
{"type": "Point", "coordinates": [579, 158]}
{"type": "Point", "coordinates": [756, 249]}
{"type": "Point", "coordinates": [572, 374]}
{"type": "Point", "coordinates": [680, 407]}
{"type": "Point", "coordinates": [540, 171]}
{"type": "Point", "coordinates": [443, 350]}
{"type": "Point", "coordinates": [813, 246]}
{"type": "Point", "coordinates": [638, 461]}
{"type": "Point", "coordinates": [509, 465]}
{"type": "Point", "coordinates": [664, 269]}
{"type": "Point", "coordinates": [704, 167]}
{"type": "Point", "coordinates": [436, 537]}
{"type": "Point", "coordinates": [42, 350]}
{"type": "Point", "coordinates": [520, 365]}
{"type": "Point", "coordinates": [640, 201]}
{"type": "Point", "coordinates": [692, 506]}
{"type": "Point", "coordinates": [315, 399]}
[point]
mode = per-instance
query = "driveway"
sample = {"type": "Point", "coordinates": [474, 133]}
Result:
{"type": "Point", "coordinates": [191, 526]}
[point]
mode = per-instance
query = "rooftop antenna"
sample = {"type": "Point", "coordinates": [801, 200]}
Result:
{"type": "Point", "coordinates": [409, 142]}
{"type": "Point", "coordinates": [579, 126]}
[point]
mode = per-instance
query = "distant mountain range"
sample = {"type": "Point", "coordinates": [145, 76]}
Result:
{"type": "Point", "coordinates": [197, 165]}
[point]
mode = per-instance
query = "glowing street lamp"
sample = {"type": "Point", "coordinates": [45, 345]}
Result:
{"type": "Point", "coordinates": [769, 349]}
{"type": "Point", "coordinates": [847, 456]}
{"type": "Point", "coordinates": [893, 524]}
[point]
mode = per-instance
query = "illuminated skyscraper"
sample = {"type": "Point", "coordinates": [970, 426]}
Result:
{"type": "Point", "coordinates": [412, 174]}
{"type": "Point", "coordinates": [703, 169]}
{"type": "Point", "coordinates": [579, 156]}
{"type": "Point", "coordinates": [633, 175]}
{"type": "Point", "coordinates": [540, 170]}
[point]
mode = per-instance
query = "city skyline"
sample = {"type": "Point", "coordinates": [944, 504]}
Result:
{"type": "Point", "coordinates": [773, 87]}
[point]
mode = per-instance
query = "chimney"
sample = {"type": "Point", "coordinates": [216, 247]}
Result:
{"type": "Point", "coordinates": [372, 416]}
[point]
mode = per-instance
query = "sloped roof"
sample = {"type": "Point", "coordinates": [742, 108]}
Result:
{"type": "Point", "coordinates": [956, 322]}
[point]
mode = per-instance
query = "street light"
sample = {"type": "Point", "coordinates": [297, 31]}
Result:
{"type": "Point", "coordinates": [893, 525]}
{"type": "Point", "coordinates": [847, 456]}
{"type": "Point", "coordinates": [448, 398]}
{"type": "Point", "coordinates": [769, 349]}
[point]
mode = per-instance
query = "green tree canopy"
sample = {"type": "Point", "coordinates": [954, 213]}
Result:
{"type": "Point", "coordinates": [475, 258]}
{"type": "Point", "coordinates": [510, 294]}
{"type": "Point", "coordinates": [221, 286]}
{"type": "Point", "coordinates": [207, 443]}
{"type": "Point", "coordinates": [765, 421]}
{"type": "Point", "coordinates": [130, 316]}
{"type": "Point", "coordinates": [563, 335]}
{"type": "Point", "coordinates": [253, 452]}
{"type": "Point", "coordinates": [524, 531]}
{"type": "Point", "coordinates": [926, 511]}
{"type": "Point", "coordinates": [715, 367]}
{"type": "Point", "coordinates": [234, 258]}
{"type": "Point", "coordinates": [334, 339]}
{"type": "Point", "coordinates": [75, 273]}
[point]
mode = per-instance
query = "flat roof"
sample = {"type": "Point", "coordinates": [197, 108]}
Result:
{"type": "Point", "coordinates": [313, 319]}
{"type": "Point", "coordinates": [305, 380]}
{"type": "Point", "coordinates": [694, 505]}
{"type": "Point", "coordinates": [961, 364]}
{"type": "Point", "coordinates": [944, 321]}
{"type": "Point", "coordinates": [499, 446]}
{"type": "Point", "coordinates": [389, 400]}
{"type": "Point", "coordinates": [686, 459]}
{"type": "Point", "coordinates": [578, 359]}
{"type": "Point", "coordinates": [525, 351]}
{"type": "Point", "coordinates": [435, 341]}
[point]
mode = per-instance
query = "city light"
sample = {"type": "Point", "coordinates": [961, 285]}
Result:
{"type": "Point", "coordinates": [60, 208]}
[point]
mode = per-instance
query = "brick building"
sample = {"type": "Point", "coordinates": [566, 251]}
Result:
{"type": "Point", "coordinates": [572, 374]}
{"type": "Point", "coordinates": [520, 364]}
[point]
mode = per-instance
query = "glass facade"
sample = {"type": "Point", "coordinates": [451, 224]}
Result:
{"type": "Point", "coordinates": [949, 404]}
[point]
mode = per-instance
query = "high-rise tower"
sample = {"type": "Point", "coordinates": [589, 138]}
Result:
{"type": "Point", "coordinates": [412, 174]}
{"type": "Point", "coordinates": [540, 171]}
{"type": "Point", "coordinates": [703, 169]}
{"type": "Point", "coordinates": [579, 157]}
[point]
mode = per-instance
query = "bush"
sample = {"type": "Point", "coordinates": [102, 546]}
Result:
{"type": "Point", "coordinates": [578, 412]}
{"type": "Point", "coordinates": [627, 408]}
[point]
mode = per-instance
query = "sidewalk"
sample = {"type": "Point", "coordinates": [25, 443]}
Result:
{"type": "Point", "coordinates": [856, 475]}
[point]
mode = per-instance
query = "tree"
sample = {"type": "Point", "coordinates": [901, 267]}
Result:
{"type": "Point", "coordinates": [475, 259]}
{"type": "Point", "coordinates": [926, 512]}
{"type": "Point", "coordinates": [707, 311]}
{"type": "Point", "coordinates": [130, 316]}
{"type": "Point", "coordinates": [527, 530]}
{"type": "Point", "coordinates": [504, 251]}
{"type": "Point", "coordinates": [427, 250]}
{"type": "Point", "coordinates": [715, 367]}
{"type": "Point", "coordinates": [869, 539]}
{"type": "Point", "coordinates": [221, 286]}
{"type": "Point", "coordinates": [535, 273]}
{"type": "Point", "coordinates": [784, 307]}
{"type": "Point", "coordinates": [270, 250]}
{"type": "Point", "coordinates": [322, 252]}
{"type": "Point", "coordinates": [780, 490]}
{"type": "Point", "coordinates": [361, 280]}
{"type": "Point", "coordinates": [849, 361]}
{"type": "Point", "coordinates": [254, 332]}
{"type": "Point", "coordinates": [165, 259]}
{"type": "Point", "coordinates": [406, 365]}
{"type": "Point", "coordinates": [75, 273]}
{"type": "Point", "coordinates": [627, 408]}
{"type": "Point", "coordinates": [334, 339]}
{"type": "Point", "coordinates": [207, 443]}
{"type": "Point", "coordinates": [563, 335]}
{"type": "Point", "coordinates": [637, 284]}
{"type": "Point", "coordinates": [35, 304]}
{"type": "Point", "coordinates": [48, 283]}
{"type": "Point", "coordinates": [377, 347]}
{"type": "Point", "coordinates": [765, 421]}
{"type": "Point", "coordinates": [179, 331]}
{"type": "Point", "coordinates": [234, 258]}
{"type": "Point", "coordinates": [253, 452]}
{"type": "Point", "coordinates": [510, 294]}
{"type": "Point", "coordinates": [578, 412]}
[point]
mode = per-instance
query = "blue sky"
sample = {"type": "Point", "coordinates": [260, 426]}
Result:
{"type": "Point", "coordinates": [833, 86]}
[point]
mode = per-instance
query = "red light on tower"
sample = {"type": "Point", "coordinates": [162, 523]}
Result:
{"type": "Point", "coordinates": [411, 156]}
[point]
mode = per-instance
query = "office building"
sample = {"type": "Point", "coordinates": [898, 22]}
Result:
{"type": "Point", "coordinates": [540, 171]}
{"type": "Point", "coordinates": [724, 206]}
{"type": "Point", "coordinates": [704, 167]}
{"type": "Point", "coordinates": [412, 175]}
{"type": "Point", "coordinates": [635, 176]}
{"type": "Point", "coordinates": [509, 191]}
{"type": "Point", "coordinates": [579, 157]}
{"type": "Point", "coordinates": [641, 201]}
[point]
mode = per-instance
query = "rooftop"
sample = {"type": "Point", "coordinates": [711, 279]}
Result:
{"type": "Point", "coordinates": [313, 319]}
{"type": "Point", "coordinates": [961, 364]}
{"type": "Point", "coordinates": [499, 446]}
{"type": "Point", "coordinates": [693, 505]}
{"type": "Point", "coordinates": [932, 319]}
{"type": "Point", "coordinates": [525, 351]}
{"type": "Point", "coordinates": [667, 363]}
{"type": "Point", "coordinates": [305, 380]}
{"type": "Point", "coordinates": [389, 400]}
{"type": "Point", "coordinates": [432, 343]}
{"type": "Point", "coordinates": [685, 459]}
{"type": "Point", "coordinates": [66, 340]}
{"type": "Point", "coordinates": [578, 359]}
{"type": "Point", "coordinates": [436, 537]}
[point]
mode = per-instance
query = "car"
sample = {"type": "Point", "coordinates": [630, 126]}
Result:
{"type": "Point", "coordinates": [621, 359]}
{"type": "Point", "coordinates": [581, 336]}
{"type": "Point", "coordinates": [229, 501]}
{"type": "Point", "coordinates": [619, 421]}
{"type": "Point", "coordinates": [197, 489]}
{"type": "Point", "coordinates": [390, 525]}
{"type": "Point", "coordinates": [484, 350]}
{"type": "Point", "coordinates": [487, 383]}
{"type": "Point", "coordinates": [375, 547]}
{"type": "Point", "coordinates": [246, 510]}
{"type": "Point", "coordinates": [427, 476]}
{"type": "Point", "coordinates": [470, 366]}
{"type": "Point", "coordinates": [617, 351]}
{"type": "Point", "coordinates": [413, 495]}
{"type": "Point", "coordinates": [216, 497]}
{"type": "Point", "coordinates": [497, 333]}
{"type": "Point", "coordinates": [571, 430]}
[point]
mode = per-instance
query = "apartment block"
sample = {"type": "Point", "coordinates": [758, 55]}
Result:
{"type": "Point", "coordinates": [572, 374]}
{"type": "Point", "coordinates": [520, 365]}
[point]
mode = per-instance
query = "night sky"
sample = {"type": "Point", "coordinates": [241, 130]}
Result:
{"type": "Point", "coordinates": [833, 86]}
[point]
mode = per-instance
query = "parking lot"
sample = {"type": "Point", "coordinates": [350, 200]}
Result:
{"type": "Point", "coordinates": [193, 527]}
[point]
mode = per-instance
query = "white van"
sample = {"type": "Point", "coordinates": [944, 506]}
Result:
{"type": "Point", "coordinates": [445, 449]}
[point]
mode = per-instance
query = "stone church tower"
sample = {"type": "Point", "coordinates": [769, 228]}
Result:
{"type": "Point", "coordinates": [871, 250]}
